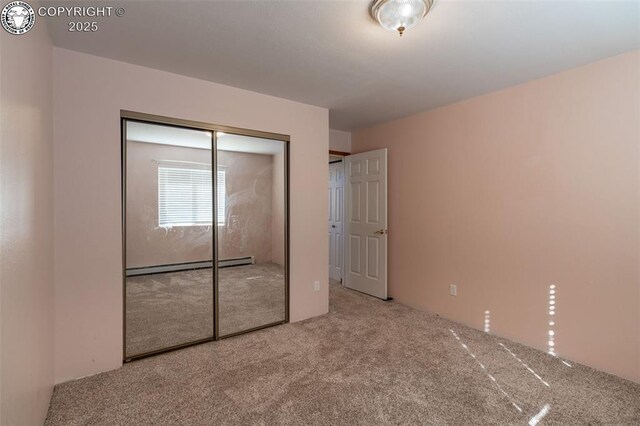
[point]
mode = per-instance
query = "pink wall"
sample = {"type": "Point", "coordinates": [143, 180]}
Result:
{"type": "Point", "coordinates": [509, 192]}
{"type": "Point", "coordinates": [26, 228]}
{"type": "Point", "coordinates": [89, 93]}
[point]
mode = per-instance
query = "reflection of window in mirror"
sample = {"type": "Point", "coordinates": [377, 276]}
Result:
{"type": "Point", "coordinates": [184, 194]}
{"type": "Point", "coordinates": [221, 191]}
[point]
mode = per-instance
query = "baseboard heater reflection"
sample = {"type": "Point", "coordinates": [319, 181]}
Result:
{"type": "Point", "coordinates": [238, 261]}
{"type": "Point", "coordinates": [161, 269]}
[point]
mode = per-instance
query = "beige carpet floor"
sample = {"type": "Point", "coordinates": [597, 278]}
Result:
{"type": "Point", "coordinates": [169, 309]}
{"type": "Point", "coordinates": [366, 362]}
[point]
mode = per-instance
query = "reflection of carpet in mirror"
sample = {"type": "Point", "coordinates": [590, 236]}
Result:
{"type": "Point", "coordinates": [165, 310]}
{"type": "Point", "coordinates": [250, 296]}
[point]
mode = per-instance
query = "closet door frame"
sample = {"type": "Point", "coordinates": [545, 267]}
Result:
{"type": "Point", "coordinates": [126, 116]}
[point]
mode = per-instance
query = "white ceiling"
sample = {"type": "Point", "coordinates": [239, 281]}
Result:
{"type": "Point", "coordinates": [332, 54]}
{"type": "Point", "coordinates": [175, 136]}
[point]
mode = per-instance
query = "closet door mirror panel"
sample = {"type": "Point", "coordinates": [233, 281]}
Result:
{"type": "Point", "coordinates": [251, 216]}
{"type": "Point", "coordinates": [169, 210]}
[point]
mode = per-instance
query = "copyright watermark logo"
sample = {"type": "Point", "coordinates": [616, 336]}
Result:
{"type": "Point", "coordinates": [81, 19]}
{"type": "Point", "coordinates": [18, 17]}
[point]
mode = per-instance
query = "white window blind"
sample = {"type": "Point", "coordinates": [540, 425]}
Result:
{"type": "Point", "coordinates": [185, 195]}
{"type": "Point", "coordinates": [221, 191]}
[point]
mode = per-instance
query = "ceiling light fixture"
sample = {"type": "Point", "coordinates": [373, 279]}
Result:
{"type": "Point", "coordinates": [400, 15]}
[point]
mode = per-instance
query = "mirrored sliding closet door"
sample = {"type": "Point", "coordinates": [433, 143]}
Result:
{"type": "Point", "coordinates": [205, 234]}
{"type": "Point", "coordinates": [169, 237]}
{"type": "Point", "coordinates": [251, 232]}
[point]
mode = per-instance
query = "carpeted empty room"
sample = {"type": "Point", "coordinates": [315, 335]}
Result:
{"type": "Point", "coordinates": [365, 362]}
{"type": "Point", "coordinates": [365, 212]}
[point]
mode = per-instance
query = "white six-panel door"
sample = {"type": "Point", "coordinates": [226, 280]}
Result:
{"type": "Point", "coordinates": [336, 220]}
{"type": "Point", "coordinates": [366, 222]}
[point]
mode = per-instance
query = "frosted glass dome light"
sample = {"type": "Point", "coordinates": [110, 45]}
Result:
{"type": "Point", "coordinates": [400, 15]}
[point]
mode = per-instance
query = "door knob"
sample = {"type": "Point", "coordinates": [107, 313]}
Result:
{"type": "Point", "coordinates": [333, 226]}
{"type": "Point", "coordinates": [381, 232]}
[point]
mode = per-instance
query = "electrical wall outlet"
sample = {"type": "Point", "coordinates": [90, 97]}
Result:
{"type": "Point", "coordinates": [316, 286]}
{"type": "Point", "coordinates": [453, 290]}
